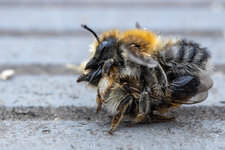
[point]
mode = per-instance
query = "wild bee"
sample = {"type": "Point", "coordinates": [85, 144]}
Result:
{"type": "Point", "coordinates": [138, 74]}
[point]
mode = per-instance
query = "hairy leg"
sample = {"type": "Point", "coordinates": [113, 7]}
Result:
{"type": "Point", "coordinates": [99, 102]}
{"type": "Point", "coordinates": [144, 108]}
{"type": "Point", "coordinates": [107, 67]}
{"type": "Point", "coordinates": [123, 106]}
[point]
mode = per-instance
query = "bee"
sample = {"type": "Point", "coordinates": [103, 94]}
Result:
{"type": "Point", "coordinates": [139, 74]}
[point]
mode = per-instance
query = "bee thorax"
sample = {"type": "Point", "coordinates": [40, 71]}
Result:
{"type": "Point", "coordinates": [132, 71]}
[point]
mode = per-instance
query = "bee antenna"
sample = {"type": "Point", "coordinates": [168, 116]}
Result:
{"type": "Point", "coordinates": [138, 26]}
{"type": "Point", "coordinates": [89, 29]}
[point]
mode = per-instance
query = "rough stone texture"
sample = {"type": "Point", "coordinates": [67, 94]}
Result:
{"type": "Point", "coordinates": [92, 135]}
{"type": "Point", "coordinates": [45, 91]}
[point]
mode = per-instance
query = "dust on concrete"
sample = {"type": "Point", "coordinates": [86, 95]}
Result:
{"type": "Point", "coordinates": [194, 113]}
{"type": "Point", "coordinates": [39, 69]}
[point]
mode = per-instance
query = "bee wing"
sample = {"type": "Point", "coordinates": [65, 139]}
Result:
{"type": "Point", "coordinates": [200, 97]}
{"type": "Point", "coordinates": [140, 57]}
{"type": "Point", "coordinates": [206, 83]}
{"type": "Point", "coordinates": [193, 90]}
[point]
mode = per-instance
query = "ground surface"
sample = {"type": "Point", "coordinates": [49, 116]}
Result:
{"type": "Point", "coordinates": [42, 107]}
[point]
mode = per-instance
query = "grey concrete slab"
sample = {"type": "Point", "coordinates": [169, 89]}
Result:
{"type": "Point", "coordinates": [60, 135]}
{"type": "Point", "coordinates": [76, 113]}
{"type": "Point", "coordinates": [58, 91]}
{"type": "Point", "coordinates": [58, 50]}
{"type": "Point", "coordinates": [45, 91]}
{"type": "Point", "coordinates": [51, 18]}
{"type": "Point", "coordinates": [63, 50]}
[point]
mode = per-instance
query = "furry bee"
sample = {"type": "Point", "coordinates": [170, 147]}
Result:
{"type": "Point", "coordinates": [138, 74]}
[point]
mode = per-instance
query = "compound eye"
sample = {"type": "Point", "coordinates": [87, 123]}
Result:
{"type": "Point", "coordinates": [100, 49]}
{"type": "Point", "coordinates": [94, 62]}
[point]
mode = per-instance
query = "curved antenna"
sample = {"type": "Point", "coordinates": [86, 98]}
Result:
{"type": "Point", "coordinates": [87, 28]}
{"type": "Point", "coordinates": [138, 26]}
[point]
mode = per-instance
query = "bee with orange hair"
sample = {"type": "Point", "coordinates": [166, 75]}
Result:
{"type": "Point", "coordinates": [138, 73]}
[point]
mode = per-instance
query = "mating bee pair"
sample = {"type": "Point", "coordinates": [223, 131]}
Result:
{"type": "Point", "coordinates": [138, 73]}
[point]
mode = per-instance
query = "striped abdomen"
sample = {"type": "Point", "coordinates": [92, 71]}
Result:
{"type": "Point", "coordinates": [184, 58]}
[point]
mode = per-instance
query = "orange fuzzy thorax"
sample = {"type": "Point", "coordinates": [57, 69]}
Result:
{"type": "Point", "coordinates": [145, 40]}
{"type": "Point", "coordinates": [139, 40]}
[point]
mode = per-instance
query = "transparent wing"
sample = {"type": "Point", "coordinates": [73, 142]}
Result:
{"type": "Point", "coordinates": [200, 97]}
{"type": "Point", "coordinates": [206, 83]}
{"type": "Point", "coordinates": [190, 90]}
{"type": "Point", "coordinates": [144, 59]}
{"type": "Point", "coordinates": [140, 57]}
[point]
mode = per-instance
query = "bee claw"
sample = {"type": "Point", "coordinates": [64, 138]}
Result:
{"type": "Point", "coordinates": [110, 131]}
{"type": "Point", "coordinates": [98, 110]}
{"type": "Point", "coordinates": [129, 124]}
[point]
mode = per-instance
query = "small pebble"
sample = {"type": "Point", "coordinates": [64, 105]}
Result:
{"type": "Point", "coordinates": [7, 74]}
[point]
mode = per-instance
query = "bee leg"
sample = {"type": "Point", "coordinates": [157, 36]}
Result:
{"type": "Point", "coordinates": [129, 123]}
{"type": "Point", "coordinates": [99, 101]}
{"type": "Point", "coordinates": [125, 103]}
{"type": "Point", "coordinates": [144, 108]}
{"type": "Point", "coordinates": [158, 92]}
{"type": "Point", "coordinates": [107, 66]}
{"type": "Point", "coordinates": [158, 118]}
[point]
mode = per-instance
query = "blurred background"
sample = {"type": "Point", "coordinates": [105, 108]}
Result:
{"type": "Point", "coordinates": [49, 32]}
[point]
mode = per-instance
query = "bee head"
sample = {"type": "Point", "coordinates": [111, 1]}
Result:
{"type": "Point", "coordinates": [105, 50]}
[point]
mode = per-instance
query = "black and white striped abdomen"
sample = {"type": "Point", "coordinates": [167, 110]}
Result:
{"type": "Point", "coordinates": [184, 58]}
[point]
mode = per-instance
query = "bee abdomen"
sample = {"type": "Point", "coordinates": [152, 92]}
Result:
{"type": "Point", "coordinates": [186, 58]}
{"type": "Point", "coordinates": [191, 52]}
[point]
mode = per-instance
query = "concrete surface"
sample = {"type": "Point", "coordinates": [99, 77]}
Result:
{"type": "Point", "coordinates": [46, 91]}
{"type": "Point", "coordinates": [92, 135]}
{"type": "Point", "coordinates": [58, 90]}
{"type": "Point", "coordinates": [42, 106]}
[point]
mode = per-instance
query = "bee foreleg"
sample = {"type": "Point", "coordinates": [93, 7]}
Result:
{"type": "Point", "coordinates": [107, 66]}
{"type": "Point", "coordinates": [125, 103]}
{"type": "Point", "coordinates": [99, 101]}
